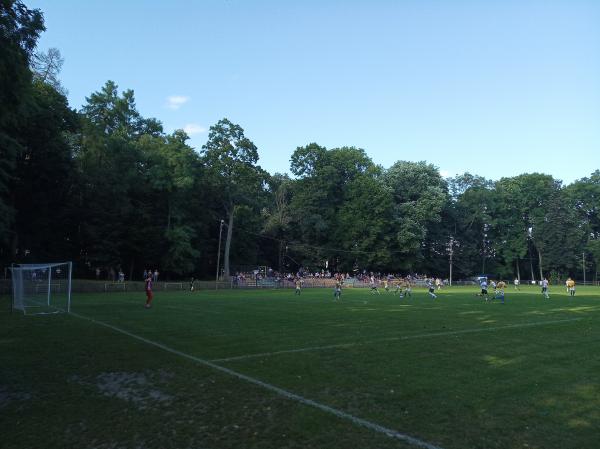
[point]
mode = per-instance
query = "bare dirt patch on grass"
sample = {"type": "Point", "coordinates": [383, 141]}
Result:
{"type": "Point", "coordinates": [8, 396]}
{"type": "Point", "coordinates": [142, 389]}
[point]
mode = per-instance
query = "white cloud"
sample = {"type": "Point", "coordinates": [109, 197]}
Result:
{"type": "Point", "coordinates": [193, 128]}
{"type": "Point", "coordinates": [176, 101]}
{"type": "Point", "coordinates": [444, 173]}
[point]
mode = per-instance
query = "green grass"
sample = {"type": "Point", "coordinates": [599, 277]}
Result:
{"type": "Point", "coordinates": [455, 372]}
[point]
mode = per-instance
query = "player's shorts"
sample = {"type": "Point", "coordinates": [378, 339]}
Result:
{"type": "Point", "coordinates": [431, 289]}
{"type": "Point", "coordinates": [484, 291]}
{"type": "Point", "coordinates": [149, 294]}
{"type": "Point", "coordinates": [544, 289]}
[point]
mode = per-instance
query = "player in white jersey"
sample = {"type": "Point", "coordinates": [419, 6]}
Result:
{"type": "Point", "coordinates": [545, 288]}
{"type": "Point", "coordinates": [431, 288]}
{"type": "Point", "coordinates": [373, 285]}
{"type": "Point", "coordinates": [337, 291]}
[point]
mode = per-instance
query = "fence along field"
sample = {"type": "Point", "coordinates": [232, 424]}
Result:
{"type": "Point", "coordinates": [262, 368]}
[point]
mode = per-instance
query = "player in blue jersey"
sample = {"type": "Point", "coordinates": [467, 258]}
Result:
{"type": "Point", "coordinates": [483, 284]}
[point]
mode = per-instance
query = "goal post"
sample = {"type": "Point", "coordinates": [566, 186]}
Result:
{"type": "Point", "coordinates": [41, 288]}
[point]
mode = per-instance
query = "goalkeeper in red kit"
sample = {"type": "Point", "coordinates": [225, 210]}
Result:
{"type": "Point", "coordinates": [149, 294]}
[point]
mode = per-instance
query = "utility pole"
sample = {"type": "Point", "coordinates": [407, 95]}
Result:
{"type": "Point", "coordinates": [219, 255]}
{"type": "Point", "coordinates": [451, 254]}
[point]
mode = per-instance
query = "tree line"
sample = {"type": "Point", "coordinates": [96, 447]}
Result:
{"type": "Point", "coordinates": [105, 187]}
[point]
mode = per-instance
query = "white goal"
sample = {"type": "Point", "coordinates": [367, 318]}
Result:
{"type": "Point", "coordinates": [41, 288]}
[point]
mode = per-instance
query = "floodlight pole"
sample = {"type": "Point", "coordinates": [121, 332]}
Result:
{"type": "Point", "coordinates": [451, 254]}
{"type": "Point", "coordinates": [12, 281]}
{"type": "Point", "coordinates": [49, 283]}
{"type": "Point", "coordinates": [219, 254]}
{"type": "Point", "coordinates": [69, 287]}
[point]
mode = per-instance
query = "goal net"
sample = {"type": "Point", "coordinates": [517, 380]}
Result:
{"type": "Point", "coordinates": [42, 288]}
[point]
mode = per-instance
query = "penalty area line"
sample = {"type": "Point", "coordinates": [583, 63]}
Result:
{"type": "Point", "coordinates": [279, 391]}
{"type": "Point", "coordinates": [383, 339]}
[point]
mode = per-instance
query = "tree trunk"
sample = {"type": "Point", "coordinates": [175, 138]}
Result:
{"type": "Point", "coordinates": [168, 215]}
{"type": "Point", "coordinates": [518, 272]}
{"type": "Point", "coordinates": [531, 267]}
{"type": "Point", "coordinates": [540, 261]}
{"type": "Point", "coordinates": [280, 257]}
{"type": "Point", "coordinates": [226, 272]}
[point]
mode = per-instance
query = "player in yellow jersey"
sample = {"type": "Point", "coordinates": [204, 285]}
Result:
{"type": "Point", "coordinates": [398, 284]}
{"type": "Point", "coordinates": [499, 292]}
{"type": "Point", "coordinates": [571, 287]}
{"type": "Point", "coordinates": [385, 285]}
{"type": "Point", "coordinates": [298, 286]}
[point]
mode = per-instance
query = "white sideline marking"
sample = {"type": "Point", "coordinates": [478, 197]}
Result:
{"type": "Point", "coordinates": [280, 391]}
{"type": "Point", "coordinates": [406, 337]}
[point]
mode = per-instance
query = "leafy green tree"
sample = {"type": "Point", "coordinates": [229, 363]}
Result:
{"type": "Point", "coordinates": [471, 212]}
{"type": "Point", "coordinates": [532, 199]}
{"type": "Point", "coordinates": [172, 168]}
{"type": "Point", "coordinates": [118, 225]}
{"type": "Point", "coordinates": [324, 186]}
{"type": "Point", "coordinates": [44, 179]}
{"type": "Point", "coordinates": [46, 67]}
{"type": "Point", "coordinates": [593, 246]}
{"type": "Point", "coordinates": [20, 28]}
{"type": "Point", "coordinates": [511, 223]}
{"type": "Point", "coordinates": [584, 196]}
{"type": "Point", "coordinates": [365, 224]}
{"type": "Point", "coordinates": [277, 215]}
{"type": "Point", "coordinates": [560, 237]}
{"type": "Point", "coordinates": [419, 194]}
{"type": "Point", "coordinates": [115, 114]}
{"type": "Point", "coordinates": [230, 161]}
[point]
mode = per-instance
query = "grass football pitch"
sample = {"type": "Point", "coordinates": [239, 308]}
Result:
{"type": "Point", "coordinates": [268, 369]}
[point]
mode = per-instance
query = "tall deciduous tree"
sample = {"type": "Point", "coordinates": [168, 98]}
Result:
{"type": "Point", "coordinates": [323, 188]}
{"type": "Point", "coordinates": [46, 68]}
{"type": "Point", "coordinates": [419, 194]}
{"type": "Point", "coordinates": [365, 224]}
{"type": "Point", "coordinates": [230, 160]}
{"type": "Point", "coordinates": [45, 178]}
{"type": "Point", "coordinates": [584, 197]}
{"type": "Point", "coordinates": [473, 220]}
{"type": "Point", "coordinates": [118, 204]}
{"type": "Point", "coordinates": [172, 168]}
{"type": "Point", "coordinates": [20, 28]}
{"type": "Point", "coordinates": [277, 215]}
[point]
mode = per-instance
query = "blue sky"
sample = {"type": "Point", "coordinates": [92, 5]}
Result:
{"type": "Point", "coordinates": [496, 88]}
